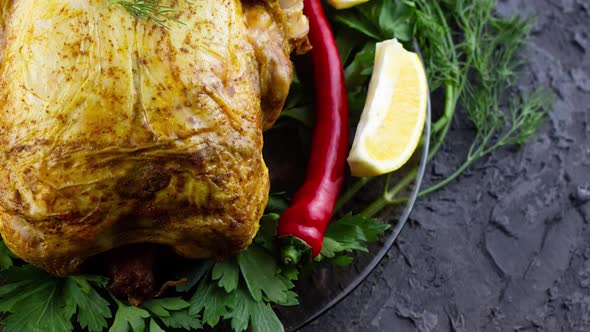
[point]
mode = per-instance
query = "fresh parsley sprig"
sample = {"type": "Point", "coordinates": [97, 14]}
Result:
{"type": "Point", "coordinates": [36, 301]}
{"type": "Point", "coordinates": [6, 257]}
{"type": "Point", "coordinates": [240, 291]}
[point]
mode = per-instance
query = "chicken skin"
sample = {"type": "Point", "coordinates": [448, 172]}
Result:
{"type": "Point", "coordinates": [116, 130]}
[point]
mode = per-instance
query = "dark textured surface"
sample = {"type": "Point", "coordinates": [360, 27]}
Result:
{"type": "Point", "coordinates": [507, 247]}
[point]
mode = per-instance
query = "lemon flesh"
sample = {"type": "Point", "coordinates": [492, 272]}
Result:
{"type": "Point", "coordinates": [395, 111]}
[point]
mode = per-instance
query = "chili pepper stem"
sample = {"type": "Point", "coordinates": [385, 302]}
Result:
{"type": "Point", "coordinates": [290, 255]}
{"type": "Point", "coordinates": [294, 251]}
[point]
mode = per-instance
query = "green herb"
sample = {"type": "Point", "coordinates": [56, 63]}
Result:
{"type": "Point", "coordinates": [128, 318]}
{"type": "Point", "coordinates": [349, 234]}
{"type": "Point", "coordinates": [380, 19]}
{"type": "Point", "coordinates": [182, 320]}
{"type": "Point", "coordinates": [164, 307]}
{"type": "Point", "coordinates": [262, 278]}
{"type": "Point", "coordinates": [6, 260]}
{"type": "Point", "coordinates": [36, 301]}
{"type": "Point", "coordinates": [91, 308]}
{"type": "Point", "coordinates": [357, 30]}
{"type": "Point", "coordinates": [211, 301]}
{"type": "Point", "coordinates": [148, 9]}
{"type": "Point", "coordinates": [194, 274]}
{"type": "Point", "coordinates": [473, 56]}
{"type": "Point", "coordinates": [239, 290]}
{"type": "Point", "coordinates": [168, 312]}
{"type": "Point", "coordinates": [227, 273]}
{"type": "Point", "coordinates": [481, 77]}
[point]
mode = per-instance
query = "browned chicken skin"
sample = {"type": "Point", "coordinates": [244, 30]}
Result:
{"type": "Point", "coordinates": [115, 131]}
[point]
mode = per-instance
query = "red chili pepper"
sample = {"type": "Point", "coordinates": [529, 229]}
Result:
{"type": "Point", "coordinates": [302, 226]}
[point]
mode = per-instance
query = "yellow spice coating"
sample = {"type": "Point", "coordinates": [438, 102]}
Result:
{"type": "Point", "coordinates": [115, 130]}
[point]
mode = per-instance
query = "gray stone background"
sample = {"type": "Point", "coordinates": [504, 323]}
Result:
{"type": "Point", "coordinates": [507, 247]}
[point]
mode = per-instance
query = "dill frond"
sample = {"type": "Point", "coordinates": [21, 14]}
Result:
{"type": "Point", "coordinates": [149, 10]}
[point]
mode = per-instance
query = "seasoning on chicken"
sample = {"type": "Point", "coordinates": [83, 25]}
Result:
{"type": "Point", "coordinates": [116, 131]}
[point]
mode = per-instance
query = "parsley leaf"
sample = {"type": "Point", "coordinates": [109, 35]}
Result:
{"type": "Point", "coordinates": [260, 313]}
{"type": "Point", "coordinates": [359, 71]}
{"type": "Point", "coordinates": [154, 327]}
{"type": "Point", "coordinates": [182, 320]}
{"type": "Point", "coordinates": [129, 316]}
{"type": "Point", "coordinates": [380, 19]}
{"type": "Point", "coordinates": [292, 297]}
{"type": "Point", "coordinates": [93, 310]}
{"type": "Point", "coordinates": [260, 271]}
{"type": "Point", "coordinates": [302, 114]}
{"type": "Point", "coordinates": [239, 290]}
{"type": "Point", "coordinates": [240, 315]}
{"type": "Point", "coordinates": [353, 20]}
{"type": "Point", "coordinates": [290, 272]}
{"type": "Point", "coordinates": [396, 19]}
{"type": "Point", "coordinates": [227, 272]}
{"type": "Point", "coordinates": [42, 310]}
{"type": "Point", "coordinates": [212, 301]}
{"type": "Point", "coordinates": [357, 74]}
{"type": "Point", "coordinates": [297, 107]}
{"type": "Point", "coordinates": [194, 274]}
{"type": "Point", "coordinates": [162, 307]}
{"type": "Point", "coordinates": [277, 203]}
{"type": "Point", "coordinates": [38, 301]}
{"type": "Point", "coordinates": [23, 282]}
{"type": "Point", "coordinates": [341, 260]}
{"type": "Point", "coordinates": [267, 232]}
{"type": "Point", "coordinates": [356, 31]}
{"type": "Point", "coordinates": [264, 319]}
{"type": "Point", "coordinates": [5, 256]}
{"type": "Point", "coordinates": [350, 233]}
{"type": "Point", "coordinates": [348, 41]}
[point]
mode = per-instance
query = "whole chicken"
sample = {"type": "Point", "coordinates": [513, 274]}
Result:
{"type": "Point", "coordinates": [117, 130]}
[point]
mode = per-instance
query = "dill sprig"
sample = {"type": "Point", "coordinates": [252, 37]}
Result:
{"type": "Point", "coordinates": [149, 10]}
{"type": "Point", "coordinates": [473, 56]}
{"type": "Point", "coordinates": [480, 64]}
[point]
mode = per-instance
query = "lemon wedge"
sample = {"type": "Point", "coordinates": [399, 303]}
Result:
{"type": "Point", "coordinates": [344, 4]}
{"type": "Point", "coordinates": [395, 111]}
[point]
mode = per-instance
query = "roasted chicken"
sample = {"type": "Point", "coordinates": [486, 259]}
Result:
{"type": "Point", "coordinates": [116, 130]}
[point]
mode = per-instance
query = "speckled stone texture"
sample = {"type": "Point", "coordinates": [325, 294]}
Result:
{"type": "Point", "coordinates": [507, 247]}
